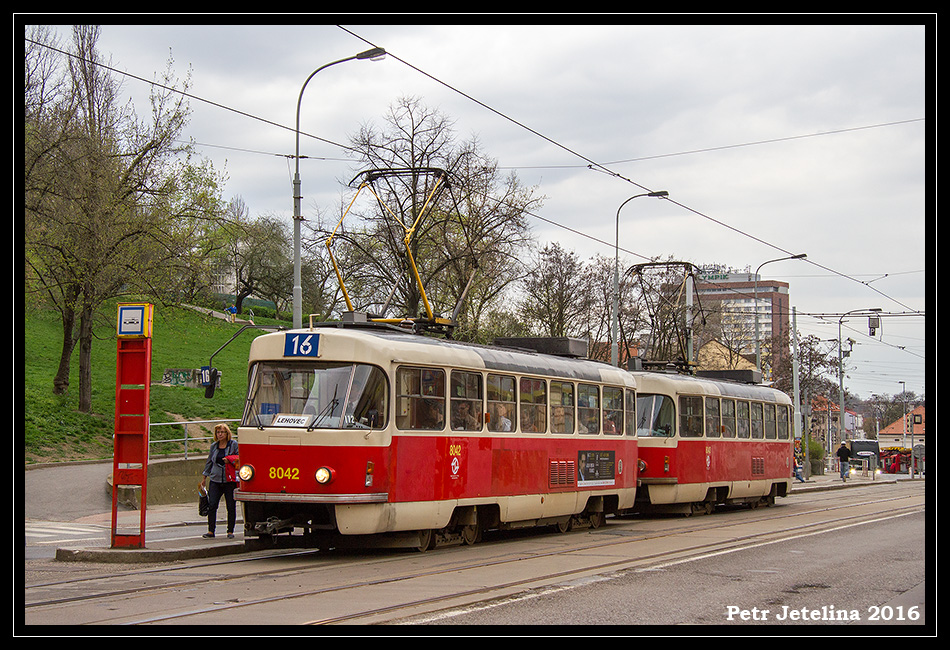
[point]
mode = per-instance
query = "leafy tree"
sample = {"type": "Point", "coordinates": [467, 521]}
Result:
{"type": "Point", "coordinates": [108, 197]}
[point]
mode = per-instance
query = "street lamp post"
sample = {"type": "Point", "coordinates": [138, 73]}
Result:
{"type": "Point", "coordinates": [841, 429]}
{"type": "Point", "coordinates": [615, 318]}
{"type": "Point", "coordinates": [755, 305]}
{"type": "Point", "coordinates": [373, 54]}
{"type": "Point", "coordinates": [904, 416]}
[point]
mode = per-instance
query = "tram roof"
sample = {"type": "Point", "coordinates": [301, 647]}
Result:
{"type": "Point", "coordinates": [409, 347]}
{"type": "Point", "coordinates": [648, 381]}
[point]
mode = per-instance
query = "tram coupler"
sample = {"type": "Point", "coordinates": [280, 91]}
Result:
{"type": "Point", "coordinates": [272, 526]}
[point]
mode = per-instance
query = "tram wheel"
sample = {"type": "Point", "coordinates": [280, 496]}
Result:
{"type": "Point", "coordinates": [564, 526]}
{"type": "Point", "coordinates": [471, 534]}
{"type": "Point", "coordinates": [597, 519]}
{"type": "Point", "coordinates": [426, 540]}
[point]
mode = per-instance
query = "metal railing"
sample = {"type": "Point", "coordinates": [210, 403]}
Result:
{"type": "Point", "coordinates": [185, 424]}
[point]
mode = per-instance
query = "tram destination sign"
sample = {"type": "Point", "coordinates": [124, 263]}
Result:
{"type": "Point", "coordinates": [301, 344]}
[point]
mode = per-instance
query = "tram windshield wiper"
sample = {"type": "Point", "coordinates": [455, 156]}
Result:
{"type": "Point", "coordinates": [327, 410]}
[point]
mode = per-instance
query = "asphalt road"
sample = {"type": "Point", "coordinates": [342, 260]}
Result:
{"type": "Point", "coordinates": [67, 491]}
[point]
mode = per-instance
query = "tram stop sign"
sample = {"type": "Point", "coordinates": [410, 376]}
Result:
{"type": "Point", "coordinates": [134, 321]}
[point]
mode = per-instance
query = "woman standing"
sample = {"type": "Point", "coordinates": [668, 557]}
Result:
{"type": "Point", "coordinates": [220, 468]}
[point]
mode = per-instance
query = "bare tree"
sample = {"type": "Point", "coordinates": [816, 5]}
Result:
{"type": "Point", "coordinates": [466, 233]}
{"type": "Point", "coordinates": [556, 297]}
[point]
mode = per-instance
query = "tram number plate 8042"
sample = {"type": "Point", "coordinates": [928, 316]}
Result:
{"type": "Point", "coordinates": [288, 473]}
{"type": "Point", "coordinates": [301, 344]}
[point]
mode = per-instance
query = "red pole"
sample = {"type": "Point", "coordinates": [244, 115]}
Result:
{"type": "Point", "coordinates": [133, 378]}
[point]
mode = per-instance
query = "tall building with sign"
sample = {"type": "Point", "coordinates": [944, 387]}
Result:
{"type": "Point", "coordinates": [748, 307]}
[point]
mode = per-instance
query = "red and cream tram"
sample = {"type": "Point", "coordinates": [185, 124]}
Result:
{"type": "Point", "coordinates": [705, 442]}
{"type": "Point", "coordinates": [370, 434]}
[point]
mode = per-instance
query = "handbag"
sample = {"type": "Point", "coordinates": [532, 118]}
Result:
{"type": "Point", "coordinates": [230, 468]}
{"type": "Point", "coordinates": [202, 502]}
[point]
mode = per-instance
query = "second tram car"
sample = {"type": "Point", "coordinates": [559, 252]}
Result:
{"type": "Point", "coordinates": [369, 434]}
{"type": "Point", "coordinates": [706, 442]}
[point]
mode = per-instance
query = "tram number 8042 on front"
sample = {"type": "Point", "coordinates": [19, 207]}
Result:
{"type": "Point", "coordinates": [284, 473]}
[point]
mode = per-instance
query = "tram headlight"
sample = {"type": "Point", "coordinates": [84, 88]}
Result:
{"type": "Point", "coordinates": [324, 475]}
{"type": "Point", "coordinates": [246, 473]}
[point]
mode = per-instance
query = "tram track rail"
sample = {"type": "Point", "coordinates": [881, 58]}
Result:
{"type": "Point", "coordinates": [397, 572]}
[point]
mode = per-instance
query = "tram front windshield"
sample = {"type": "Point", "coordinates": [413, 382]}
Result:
{"type": "Point", "coordinates": [655, 416]}
{"type": "Point", "coordinates": [323, 395]}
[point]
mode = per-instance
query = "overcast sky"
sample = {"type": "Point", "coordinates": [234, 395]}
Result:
{"type": "Point", "coordinates": [771, 140]}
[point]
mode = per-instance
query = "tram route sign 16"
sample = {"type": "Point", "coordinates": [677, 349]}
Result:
{"type": "Point", "coordinates": [298, 344]}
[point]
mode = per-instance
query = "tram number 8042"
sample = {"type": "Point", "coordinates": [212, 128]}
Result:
{"type": "Point", "coordinates": [288, 473]}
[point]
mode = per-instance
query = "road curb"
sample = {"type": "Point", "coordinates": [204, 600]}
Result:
{"type": "Point", "coordinates": [145, 555]}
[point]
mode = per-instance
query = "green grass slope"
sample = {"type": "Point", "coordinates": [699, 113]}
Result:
{"type": "Point", "coordinates": [54, 430]}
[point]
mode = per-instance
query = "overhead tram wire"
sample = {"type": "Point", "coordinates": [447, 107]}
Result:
{"type": "Point", "coordinates": [595, 166]}
{"type": "Point", "coordinates": [183, 93]}
{"type": "Point", "coordinates": [281, 126]}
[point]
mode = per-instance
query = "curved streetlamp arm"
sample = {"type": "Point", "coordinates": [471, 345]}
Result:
{"type": "Point", "coordinates": [615, 307]}
{"type": "Point", "coordinates": [374, 54]}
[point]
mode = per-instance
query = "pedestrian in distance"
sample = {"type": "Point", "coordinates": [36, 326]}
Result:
{"type": "Point", "coordinates": [844, 455]}
{"type": "Point", "coordinates": [220, 472]}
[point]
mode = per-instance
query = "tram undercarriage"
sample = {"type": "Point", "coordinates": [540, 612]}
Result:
{"type": "Point", "coordinates": [704, 499]}
{"type": "Point", "coordinates": [270, 522]}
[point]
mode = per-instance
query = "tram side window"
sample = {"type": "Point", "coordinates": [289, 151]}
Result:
{"type": "Point", "coordinates": [630, 415]}
{"type": "Point", "coordinates": [757, 424]}
{"type": "Point", "coordinates": [588, 409]}
{"type": "Point", "coordinates": [465, 400]}
{"type": "Point", "coordinates": [782, 421]}
{"type": "Point", "coordinates": [562, 407]}
{"type": "Point", "coordinates": [712, 418]}
{"type": "Point", "coordinates": [691, 417]}
{"type": "Point", "coordinates": [728, 418]}
{"type": "Point", "coordinates": [534, 401]}
{"type": "Point", "coordinates": [769, 411]}
{"type": "Point", "coordinates": [501, 403]}
{"type": "Point", "coordinates": [420, 398]}
{"type": "Point", "coordinates": [743, 427]}
{"type": "Point", "coordinates": [613, 410]}
{"type": "Point", "coordinates": [655, 416]}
